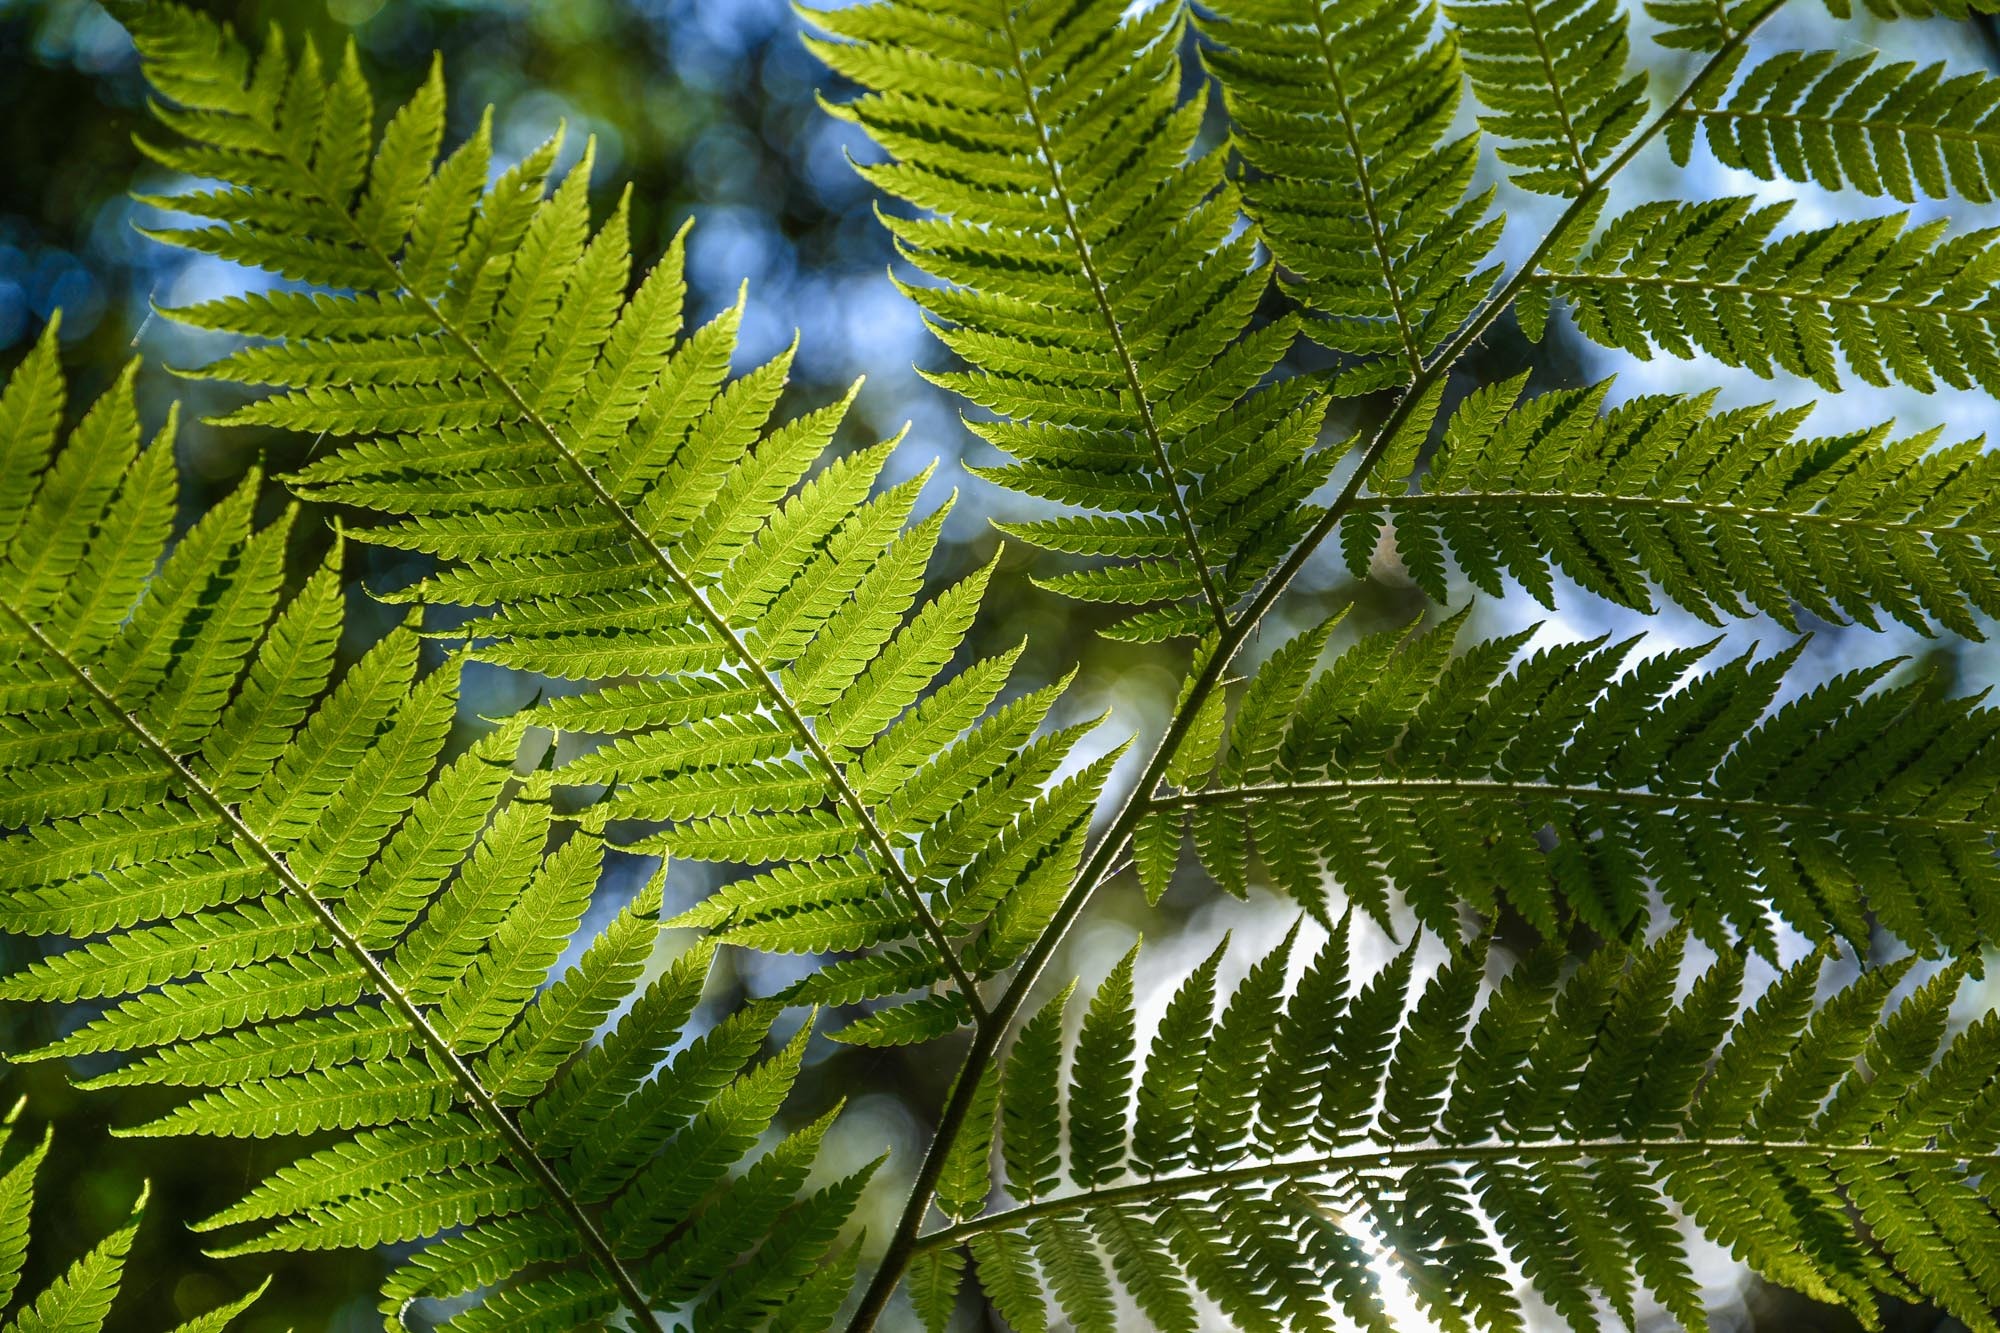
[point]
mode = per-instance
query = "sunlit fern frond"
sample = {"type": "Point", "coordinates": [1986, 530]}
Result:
{"type": "Point", "coordinates": [775, 687]}
{"type": "Point", "coordinates": [1344, 110]}
{"type": "Point", "coordinates": [1569, 786]}
{"type": "Point", "coordinates": [1723, 513]}
{"type": "Point", "coordinates": [1097, 282]}
{"type": "Point", "coordinates": [1892, 300]}
{"type": "Point", "coordinates": [1302, 1161]}
{"type": "Point", "coordinates": [285, 900]}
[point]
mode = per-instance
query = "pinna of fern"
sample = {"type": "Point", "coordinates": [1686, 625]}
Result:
{"type": "Point", "coordinates": [1098, 286]}
{"type": "Point", "coordinates": [1725, 514]}
{"type": "Point", "coordinates": [1570, 786]}
{"type": "Point", "coordinates": [285, 901]}
{"type": "Point", "coordinates": [770, 685]}
{"type": "Point", "coordinates": [1342, 111]}
{"type": "Point", "coordinates": [80, 1300]}
{"type": "Point", "coordinates": [1284, 1157]}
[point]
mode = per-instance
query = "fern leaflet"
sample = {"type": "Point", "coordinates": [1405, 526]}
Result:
{"type": "Point", "coordinates": [1284, 1153]}
{"type": "Point", "coordinates": [1563, 784]}
{"type": "Point", "coordinates": [1880, 128]}
{"type": "Point", "coordinates": [1096, 289]}
{"type": "Point", "coordinates": [1897, 302]}
{"type": "Point", "coordinates": [1343, 111]}
{"type": "Point", "coordinates": [1726, 513]}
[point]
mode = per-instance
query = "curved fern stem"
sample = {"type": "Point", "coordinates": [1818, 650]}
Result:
{"type": "Point", "coordinates": [903, 1245]}
{"type": "Point", "coordinates": [1045, 149]}
{"type": "Point", "coordinates": [1377, 1158]}
{"type": "Point", "coordinates": [481, 1099]}
{"type": "Point", "coordinates": [1581, 795]}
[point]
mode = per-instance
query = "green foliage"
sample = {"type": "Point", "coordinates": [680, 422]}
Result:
{"type": "Point", "coordinates": [1553, 80]}
{"type": "Point", "coordinates": [623, 515]}
{"type": "Point", "coordinates": [1343, 110]}
{"type": "Point", "coordinates": [293, 906]}
{"type": "Point", "coordinates": [1095, 288]}
{"type": "Point", "coordinates": [1895, 302]}
{"type": "Point", "coordinates": [321, 906]}
{"type": "Point", "coordinates": [1569, 786]}
{"type": "Point", "coordinates": [1578, 1115]}
{"type": "Point", "coordinates": [1889, 128]}
{"type": "Point", "coordinates": [1723, 513]}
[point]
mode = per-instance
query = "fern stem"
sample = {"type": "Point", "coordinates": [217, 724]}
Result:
{"type": "Point", "coordinates": [903, 1244]}
{"type": "Point", "coordinates": [1378, 1158]}
{"type": "Point", "coordinates": [1603, 500]}
{"type": "Point", "coordinates": [1666, 282]}
{"type": "Point", "coordinates": [1556, 791]}
{"type": "Point", "coordinates": [1101, 295]}
{"type": "Point", "coordinates": [482, 1101]}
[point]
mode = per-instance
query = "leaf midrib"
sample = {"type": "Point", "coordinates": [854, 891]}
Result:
{"type": "Point", "coordinates": [1387, 1157]}
{"type": "Point", "coordinates": [1586, 795]}
{"type": "Point", "coordinates": [1685, 504]}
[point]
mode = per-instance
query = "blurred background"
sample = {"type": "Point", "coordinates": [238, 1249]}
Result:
{"type": "Point", "coordinates": [707, 108]}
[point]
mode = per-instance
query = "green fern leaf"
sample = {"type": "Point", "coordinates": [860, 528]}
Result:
{"type": "Point", "coordinates": [1725, 513]}
{"type": "Point", "coordinates": [1405, 769]}
{"type": "Point", "coordinates": [1579, 1195]}
{"type": "Point", "coordinates": [1889, 128]}
{"type": "Point", "coordinates": [1095, 290]}
{"type": "Point", "coordinates": [1896, 302]}
{"type": "Point", "coordinates": [1343, 110]}
{"type": "Point", "coordinates": [322, 925]}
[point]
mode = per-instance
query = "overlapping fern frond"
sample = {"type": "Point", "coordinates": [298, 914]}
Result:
{"type": "Point", "coordinates": [1344, 112]}
{"type": "Point", "coordinates": [283, 904]}
{"type": "Point", "coordinates": [1291, 1156]}
{"type": "Point", "coordinates": [1098, 286]}
{"type": "Point", "coordinates": [1893, 301]}
{"type": "Point", "coordinates": [1569, 786]}
{"type": "Point", "coordinates": [1553, 78]}
{"type": "Point", "coordinates": [1879, 127]}
{"type": "Point", "coordinates": [80, 1300]}
{"type": "Point", "coordinates": [620, 513]}
{"type": "Point", "coordinates": [1725, 513]}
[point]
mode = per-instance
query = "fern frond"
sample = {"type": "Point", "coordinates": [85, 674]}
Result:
{"type": "Point", "coordinates": [80, 1300]}
{"type": "Point", "coordinates": [1097, 287]}
{"type": "Point", "coordinates": [1343, 110]}
{"type": "Point", "coordinates": [1564, 783]}
{"type": "Point", "coordinates": [1896, 302]}
{"type": "Point", "coordinates": [1564, 1129]}
{"type": "Point", "coordinates": [288, 901]}
{"type": "Point", "coordinates": [1886, 127]}
{"type": "Point", "coordinates": [776, 688]}
{"type": "Point", "coordinates": [1552, 79]}
{"type": "Point", "coordinates": [1725, 513]}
